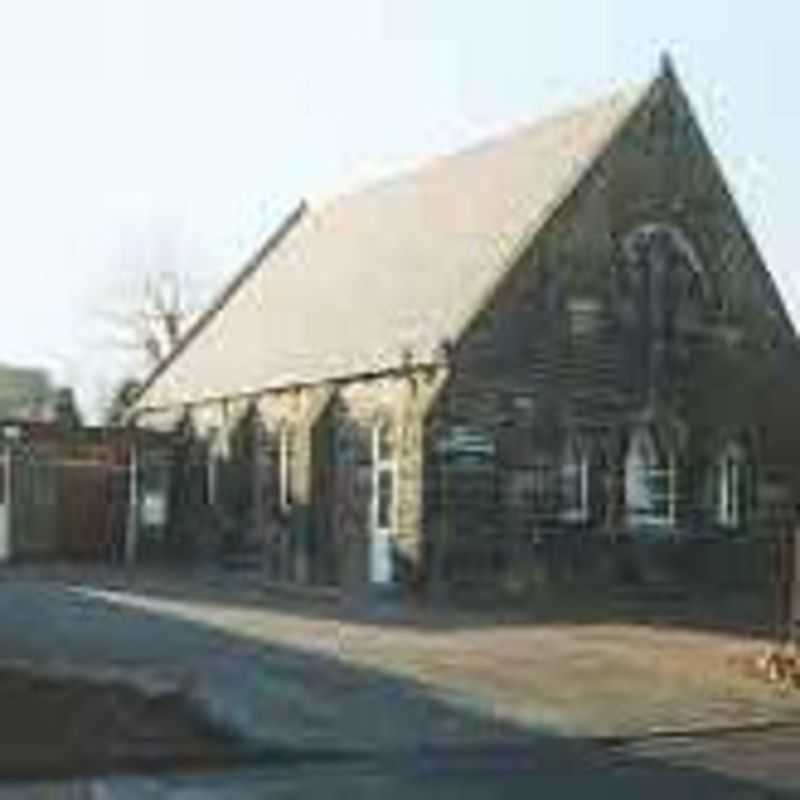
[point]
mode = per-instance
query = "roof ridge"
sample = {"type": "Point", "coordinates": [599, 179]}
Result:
{"type": "Point", "coordinates": [452, 251]}
{"type": "Point", "coordinates": [484, 141]}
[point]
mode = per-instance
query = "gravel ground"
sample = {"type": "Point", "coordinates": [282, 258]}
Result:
{"type": "Point", "coordinates": [386, 679]}
{"type": "Point", "coordinates": [589, 679]}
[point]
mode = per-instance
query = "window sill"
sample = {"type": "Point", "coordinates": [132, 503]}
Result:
{"type": "Point", "coordinates": [574, 517]}
{"type": "Point", "coordinates": [648, 521]}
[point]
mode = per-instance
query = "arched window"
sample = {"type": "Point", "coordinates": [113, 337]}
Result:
{"type": "Point", "coordinates": [384, 469]}
{"type": "Point", "coordinates": [650, 479]}
{"type": "Point", "coordinates": [214, 454]}
{"type": "Point", "coordinates": [574, 500]}
{"type": "Point", "coordinates": [730, 477]}
{"type": "Point", "coordinates": [240, 471]}
{"type": "Point", "coordinates": [658, 240]}
{"type": "Point", "coordinates": [286, 446]}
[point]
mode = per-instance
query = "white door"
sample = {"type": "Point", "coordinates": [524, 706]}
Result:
{"type": "Point", "coordinates": [5, 549]}
{"type": "Point", "coordinates": [383, 493]}
{"type": "Point", "coordinates": [380, 568]}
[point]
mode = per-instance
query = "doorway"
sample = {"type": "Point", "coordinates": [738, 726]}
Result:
{"type": "Point", "coordinates": [383, 504]}
{"type": "Point", "coordinates": [5, 516]}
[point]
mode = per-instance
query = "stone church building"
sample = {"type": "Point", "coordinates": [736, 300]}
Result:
{"type": "Point", "coordinates": [565, 330]}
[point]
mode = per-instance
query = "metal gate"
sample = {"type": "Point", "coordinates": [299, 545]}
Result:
{"type": "Point", "coordinates": [66, 506]}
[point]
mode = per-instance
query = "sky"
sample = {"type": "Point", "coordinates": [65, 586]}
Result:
{"type": "Point", "coordinates": [139, 136]}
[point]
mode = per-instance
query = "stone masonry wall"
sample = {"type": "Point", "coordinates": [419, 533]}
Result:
{"type": "Point", "coordinates": [324, 538]}
{"type": "Point", "coordinates": [525, 372]}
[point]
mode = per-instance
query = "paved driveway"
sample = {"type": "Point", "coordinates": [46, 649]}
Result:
{"type": "Point", "coordinates": [390, 681]}
{"type": "Point", "coordinates": [283, 695]}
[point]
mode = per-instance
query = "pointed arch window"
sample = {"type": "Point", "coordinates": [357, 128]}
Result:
{"type": "Point", "coordinates": [574, 483]}
{"type": "Point", "coordinates": [650, 481]}
{"type": "Point", "coordinates": [383, 501]}
{"type": "Point", "coordinates": [286, 448]}
{"type": "Point", "coordinates": [214, 454]}
{"type": "Point", "coordinates": [383, 448]}
{"type": "Point", "coordinates": [730, 472]}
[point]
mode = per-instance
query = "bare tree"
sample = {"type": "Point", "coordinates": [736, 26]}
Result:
{"type": "Point", "coordinates": [148, 317]}
{"type": "Point", "coordinates": [152, 297]}
{"type": "Point", "coordinates": [113, 413]}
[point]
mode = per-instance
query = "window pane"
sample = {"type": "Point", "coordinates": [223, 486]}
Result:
{"type": "Point", "coordinates": [211, 478]}
{"type": "Point", "coordinates": [729, 489]}
{"type": "Point", "coordinates": [385, 490]}
{"type": "Point", "coordinates": [733, 491]}
{"type": "Point", "coordinates": [572, 490]}
{"type": "Point", "coordinates": [385, 446]}
{"type": "Point", "coordinates": [286, 459]}
{"type": "Point", "coordinates": [660, 481]}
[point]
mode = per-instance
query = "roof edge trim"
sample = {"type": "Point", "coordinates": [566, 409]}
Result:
{"type": "Point", "coordinates": [294, 386]}
{"type": "Point", "coordinates": [558, 201]}
{"type": "Point", "coordinates": [222, 299]}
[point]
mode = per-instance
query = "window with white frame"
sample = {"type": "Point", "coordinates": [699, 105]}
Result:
{"type": "Point", "coordinates": [650, 482]}
{"type": "Point", "coordinates": [384, 474]}
{"type": "Point", "coordinates": [543, 486]}
{"type": "Point", "coordinates": [286, 444]}
{"type": "Point", "coordinates": [730, 485]}
{"type": "Point", "coordinates": [574, 483]}
{"type": "Point", "coordinates": [585, 316]}
{"type": "Point", "coordinates": [212, 465]}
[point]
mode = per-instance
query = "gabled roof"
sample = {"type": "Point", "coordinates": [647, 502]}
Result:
{"type": "Point", "coordinates": [390, 272]}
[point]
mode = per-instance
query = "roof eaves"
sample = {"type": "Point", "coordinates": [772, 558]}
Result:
{"type": "Point", "coordinates": [222, 299]}
{"type": "Point", "coordinates": [432, 362]}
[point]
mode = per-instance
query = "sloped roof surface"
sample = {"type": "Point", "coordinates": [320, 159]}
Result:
{"type": "Point", "coordinates": [389, 271]}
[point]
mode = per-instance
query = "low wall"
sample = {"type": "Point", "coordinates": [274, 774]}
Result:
{"type": "Point", "coordinates": [585, 559]}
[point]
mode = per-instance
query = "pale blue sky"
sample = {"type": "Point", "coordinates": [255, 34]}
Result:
{"type": "Point", "coordinates": [180, 130]}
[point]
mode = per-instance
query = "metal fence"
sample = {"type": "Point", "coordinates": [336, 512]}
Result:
{"type": "Point", "coordinates": [481, 523]}
{"type": "Point", "coordinates": [493, 509]}
{"type": "Point", "coordinates": [492, 526]}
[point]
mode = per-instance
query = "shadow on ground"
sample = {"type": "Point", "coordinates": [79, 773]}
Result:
{"type": "Point", "coordinates": [298, 704]}
{"type": "Point", "coordinates": [748, 611]}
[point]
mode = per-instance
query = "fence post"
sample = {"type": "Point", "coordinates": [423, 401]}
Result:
{"type": "Point", "coordinates": [132, 529]}
{"type": "Point", "coordinates": [794, 614]}
{"type": "Point", "coordinates": [782, 579]}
